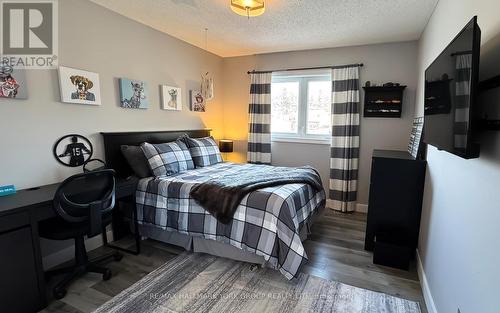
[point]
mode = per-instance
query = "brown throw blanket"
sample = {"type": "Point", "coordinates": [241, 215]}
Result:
{"type": "Point", "coordinates": [221, 196]}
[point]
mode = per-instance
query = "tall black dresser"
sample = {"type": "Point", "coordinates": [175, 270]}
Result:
{"type": "Point", "coordinates": [395, 204]}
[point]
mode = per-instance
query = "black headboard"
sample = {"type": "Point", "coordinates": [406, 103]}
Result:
{"type": "Point", "coordinates": [113, 142]}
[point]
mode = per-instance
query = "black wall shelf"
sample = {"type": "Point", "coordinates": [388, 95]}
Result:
{"type": "Point", "coordinates": [383, 101]}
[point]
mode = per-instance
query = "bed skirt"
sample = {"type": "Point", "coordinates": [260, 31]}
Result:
{"type": "Point", "coordinates": [199, 244]}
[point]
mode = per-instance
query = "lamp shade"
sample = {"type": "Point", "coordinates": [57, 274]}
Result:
{"type": "Point", "coordinates": [226, 145]}
{"type": "Point", "coordinates": [248, 8]}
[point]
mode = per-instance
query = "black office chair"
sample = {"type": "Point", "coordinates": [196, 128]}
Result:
{"type": "Point", "coordinates": [83, 204]}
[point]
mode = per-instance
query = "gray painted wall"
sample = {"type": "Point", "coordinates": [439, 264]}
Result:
{"type": "Point", "coordinates": [96, 39]}
{"type": "Point", "coordinates": [394, 62]}
{"type": "Point", "coordinates": [459, 229]}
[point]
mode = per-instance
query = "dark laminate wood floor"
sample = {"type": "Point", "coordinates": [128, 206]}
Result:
{"type": "Point", "coordinates": [335, 250]}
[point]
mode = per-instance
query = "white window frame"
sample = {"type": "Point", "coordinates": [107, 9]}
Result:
{"type": "Point", "coordinates": [301, 136]}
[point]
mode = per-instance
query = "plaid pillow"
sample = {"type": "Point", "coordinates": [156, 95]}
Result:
{"type": "Point", "coordinates": [204, 151]}
{"type": "Point", "coordinates": [168, 158]}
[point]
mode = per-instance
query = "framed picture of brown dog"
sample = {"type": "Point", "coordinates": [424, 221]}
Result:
{"type": "Point", "coordinates": [79, 86]}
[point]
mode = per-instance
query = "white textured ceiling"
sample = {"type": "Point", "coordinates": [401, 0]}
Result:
{"type": "Point", "coordinates": [286, 25]}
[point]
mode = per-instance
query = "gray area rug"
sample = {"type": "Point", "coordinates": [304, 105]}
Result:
{"type": "Point", "coordinates": [195, 282]}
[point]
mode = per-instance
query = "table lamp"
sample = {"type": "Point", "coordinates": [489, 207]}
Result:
{"type": "Point", "coordinates": [225, 146]}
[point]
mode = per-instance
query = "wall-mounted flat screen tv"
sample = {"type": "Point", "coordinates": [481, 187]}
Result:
{"type": "Point", "coordinates": [451, 88]}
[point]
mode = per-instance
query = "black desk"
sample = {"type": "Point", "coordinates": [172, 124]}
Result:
{"type": "Point", "coordinates": [39, 200]}
{"type": "Point", "coordinates": [21, 271]}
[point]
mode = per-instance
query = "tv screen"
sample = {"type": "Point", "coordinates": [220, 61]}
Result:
{"type": "Point", "coordinates": [451, 83]}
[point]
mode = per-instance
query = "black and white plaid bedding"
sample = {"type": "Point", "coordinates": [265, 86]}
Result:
{"type": "Point", "coordinates": [168, 158]}
{"type": "Point", "coordinates": [267, 222]}
{"type": "Point", "coordinates": [204, 151]}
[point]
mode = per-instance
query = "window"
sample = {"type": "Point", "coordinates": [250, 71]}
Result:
{"type": "Point", "coordinates": [300, 107]}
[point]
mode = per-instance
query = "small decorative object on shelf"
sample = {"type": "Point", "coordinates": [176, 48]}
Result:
{"type": "Point", "coordinates": [383, 101]}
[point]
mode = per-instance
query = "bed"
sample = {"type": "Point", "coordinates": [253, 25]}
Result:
{"type": "Point", "coordinates": [267, 228]}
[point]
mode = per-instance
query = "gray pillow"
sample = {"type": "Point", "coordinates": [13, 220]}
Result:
{"type": "Point", "coordinates": [137, 160]}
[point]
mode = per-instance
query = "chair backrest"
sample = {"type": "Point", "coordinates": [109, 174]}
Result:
{"type": "Point", "coordinates": [86, 197]}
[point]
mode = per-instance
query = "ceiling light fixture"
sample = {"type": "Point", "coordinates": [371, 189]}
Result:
{"type": "Point", "coordinates": [248, 7]}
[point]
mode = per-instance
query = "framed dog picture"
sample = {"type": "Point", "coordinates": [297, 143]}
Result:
{"type": "Point", "coordinates": [171, 98]}
{"type": "Point", "coordinates": [12, 83]}
{"type": "Point", "coordinates": [197, 101]}
{"type": "Point", "coordinates": [134, 94]}
{"type": "Point", "coordinates": [79, 86]}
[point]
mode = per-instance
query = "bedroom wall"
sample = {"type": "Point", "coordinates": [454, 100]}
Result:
{"type": "Point", "coordinates": [459, 234]}
{"type": "Point", "coordinates": [113, 46]}
{"type": "Point", "coordinates": [394, 62]}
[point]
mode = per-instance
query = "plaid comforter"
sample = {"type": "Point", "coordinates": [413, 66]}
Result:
{"type": "Point", "coordinates": [267, 222]}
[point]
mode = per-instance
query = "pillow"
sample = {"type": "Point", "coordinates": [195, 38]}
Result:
{"type": "Point", "coordinates": [168, 158]}
{"type": "Point", "coordinates": [136, 160]}
{"type": "Point", "coordinates": [204, 151]}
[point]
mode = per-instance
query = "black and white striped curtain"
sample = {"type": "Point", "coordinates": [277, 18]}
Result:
{"type": "Point", "coordinates": [463, 66]}
{"type": "Point", "coordinates": [344, 151]}
{"type": "Point", "coordinates": [259, 135]}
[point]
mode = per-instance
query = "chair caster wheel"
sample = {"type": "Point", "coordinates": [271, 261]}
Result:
{"type": "Point", "coordinates": [59, 293]}
{"type": "Point", "coordinates": [107, 274]}
{"type": "Point", "coordinates": [118, 257]}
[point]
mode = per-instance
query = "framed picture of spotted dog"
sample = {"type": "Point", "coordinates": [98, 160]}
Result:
{"type": "Point", "coordinates": [79, 86]}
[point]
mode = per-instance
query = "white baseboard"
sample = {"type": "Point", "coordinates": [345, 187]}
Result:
{"type": "Point", "coordinates": [429, 301]}
{"type": "Point", "coordinates": [362, 208]}
{"type": "Point", "coordinates": [68, 253]}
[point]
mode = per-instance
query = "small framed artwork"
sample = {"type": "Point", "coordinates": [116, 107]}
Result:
{"type": "Point", "coordinates": [134, 94]}
{"type": "Point", "coordinates": [79, 86]}
{"type": "Point", "coordinates": [12, 83]}
{"type": "Point", "coordinates": [171, 98]}
{"type": "Point", "coordinates": [197, 101]}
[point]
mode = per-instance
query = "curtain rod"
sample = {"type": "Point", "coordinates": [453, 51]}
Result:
{"type": "Point", "coordinates": [461, 53]}
{"type": "Point", "coordinates": [307, 68]}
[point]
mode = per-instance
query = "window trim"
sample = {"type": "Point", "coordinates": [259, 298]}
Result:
{"type": "Point", "coordinates": [294, 139]}
{"type": "Point", "coordinates": [301, 136]}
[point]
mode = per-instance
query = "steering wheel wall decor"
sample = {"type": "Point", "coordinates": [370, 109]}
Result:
{"type": "Point", "coordinates": [73, 150]}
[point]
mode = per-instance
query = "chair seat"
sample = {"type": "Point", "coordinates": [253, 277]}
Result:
{"type": "Point", "coordinates": [58, 229]}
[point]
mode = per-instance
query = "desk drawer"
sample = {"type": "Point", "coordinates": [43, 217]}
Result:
{"type": "Point", "coordinates": [18, 283]}
{"type": "Point", "coordinates": [13, 221]}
